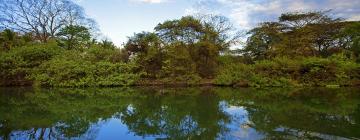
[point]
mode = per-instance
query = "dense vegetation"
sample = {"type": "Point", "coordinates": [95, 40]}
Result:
{"type": "Point", "coordinates": [301, 49]}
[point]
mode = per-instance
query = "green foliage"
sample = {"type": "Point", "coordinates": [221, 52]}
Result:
{"type": "Point", "coordinates": [196, 40]}
{"type": "Point", "coordinates": [187, 30]}
{"type": "Point", "coordinates": [301, 49]}
{"type": "Point", "coordinates": [10, 39]}
{"type": "Point", "coordinates": [18, 63]}
{"type": "Point", "coordinates": [280, 72]}
{"type": "Point", "coordinates": [300, 34]}
{"type": "Point", "coordinates": [205, 56]}
{"type": "Point", "coordinates": [107, 44]}
{"type": "Point", "coordinates": [233, 73]}
{"type": "Point", "coordinates": [260, 43]}
{"type": "Point", "coordinates": [178, 65]}
{"type": "Point", "coordinates": [147, 49]}
{"type": "Point", "coordinates": [74, 36]}
{"type": "Point", "coordinates": [98, 53]}
{"type": "Point", "coordinates": [337, 70]}
{"type": "Point", "coordinates": [317, 70]}
{"type": "Point", "coordinates": [352, 31]}
{"type": "Point", "coordinates": [47, 64]}
{"type": "Point", "coordinates": [75, 69]}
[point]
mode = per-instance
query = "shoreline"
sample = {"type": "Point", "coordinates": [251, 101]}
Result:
{"type": "Point", "coordinates": [201, 83]}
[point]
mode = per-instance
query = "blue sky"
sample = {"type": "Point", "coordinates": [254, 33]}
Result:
{"type": "Point", "coordinates": [118, 19]}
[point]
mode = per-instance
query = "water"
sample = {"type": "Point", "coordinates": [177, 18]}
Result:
{"type": "Point", "coordinates": [179, 113]}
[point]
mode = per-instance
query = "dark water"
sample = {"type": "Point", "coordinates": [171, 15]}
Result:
{"type": "Point", "coordinates": [179, 113]}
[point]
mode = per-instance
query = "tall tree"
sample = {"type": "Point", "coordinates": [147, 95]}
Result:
{"type": "Point", "coordinates": [299, 33]}
{"type": "Point", "coordinates": [204, 37]}
{"type": "Point", "coordinates": [301, 19]}
{"type": "Point", "coordinates": [43, 18]}
{"type": "Point", "coordinates": [260, 44]}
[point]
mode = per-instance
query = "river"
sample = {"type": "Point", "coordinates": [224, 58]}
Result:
{"type": "Point", "coordinates": [179, 113]}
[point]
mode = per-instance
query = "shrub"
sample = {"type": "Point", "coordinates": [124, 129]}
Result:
{"type": "Point", "coordinates": [280, 66]}
{"type": "Point", "coordinates": [234, 73]}
{"type": "Point", "coordinates": [64, 73]}
{"type": "Point", "coordinates": [114, 74]}
{"type": "Point", "coordinates": [321, 72]}
{"type": "Point", "coordinates": [347, 71]}
{"type": "Point", "coordinates": [259, 80]}
{"type": "Point", "coordinates": [284, 72]}
{"type": "Point", "coordinates": [79, 72]}
{"type": "Point", "coordinates": [97, 53]}
{"type": "Point", "coordinates": [17, 63]}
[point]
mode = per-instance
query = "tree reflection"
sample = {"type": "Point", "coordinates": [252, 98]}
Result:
{"type": "Point", "coordinates": [56, 113]}
{"type": "Point", "coordinates": [303, 113]}
{"type": "Point", "coordinates": [181, 116]}
{"type": "Point", "coordinates": [181, 113]}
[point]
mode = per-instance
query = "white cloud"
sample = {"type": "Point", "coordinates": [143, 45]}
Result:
{"type": "Point", "coordinates": [354, 18]}
{"type": "Point", "coordinates": [149, 1]}
{"type": "Point", "coordinates": [248, 13]}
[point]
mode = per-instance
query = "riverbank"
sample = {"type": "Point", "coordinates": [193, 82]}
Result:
{"type": "Point", "coordinates": [212, 83]}
{"type": "Point", "coordinates": [201, 83]}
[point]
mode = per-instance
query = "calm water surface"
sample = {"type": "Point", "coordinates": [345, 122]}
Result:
{"type": "Point", "coordinates": [179, 113]}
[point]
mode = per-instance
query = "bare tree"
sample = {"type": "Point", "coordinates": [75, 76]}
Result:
{"type": "Point", "coordinates": [43, 18]}
{"type": "Point", "coordinates": [223, 27]}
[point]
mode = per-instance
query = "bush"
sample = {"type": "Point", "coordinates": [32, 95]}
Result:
{"type": "Point", "coordinates": [280, 66]}
{"type": "Point", "coordinates": [114, 74]}
{"type": "Point", "coordinates": [18, 63]}
{"type": "Point", "coordinates": [317, 71]}
{"type": "Point", "coordinates": [336, 70]}
{"type": "Point", "coordinates": [73, 70]}
{"type": "Point", "coordinates": [97, 53]}
{"type": "Point", "coordinates": [259, 80]}
{"type": "Point", "coordinates": [348, 71]}
{"type": "Point", "coordinates": [232, 74]}
{"type": "Point", "coordinates": [284, 72]}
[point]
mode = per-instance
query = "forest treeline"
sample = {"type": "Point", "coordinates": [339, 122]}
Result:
{"type": "Point", "coordinates": [53, 43]}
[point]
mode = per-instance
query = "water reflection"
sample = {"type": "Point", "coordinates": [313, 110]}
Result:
{"type": "Point", "coordinates": [180, 113]}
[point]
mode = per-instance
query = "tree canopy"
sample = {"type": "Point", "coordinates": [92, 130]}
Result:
{"type": "Point", "coordinates": [42, 18]}
{"type": "Point", "coordinates": [299, 33]}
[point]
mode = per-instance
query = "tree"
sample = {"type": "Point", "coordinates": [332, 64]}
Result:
{"type": "Point", "coordinates": [10, 39]}
{"type": "Point", "coordinates": [297, 33]}
{"type": "Point", "coordinates": [141, 42]}
{"type": "Point", "coordinates": [190, 30]}
{"type": "Point", "coordinates": [179, 64]}
{"type": "Point", "coordinates": [352, 33]}
{"type": "Point", "coordinates": [295, 20]}
{"type": "Point", "coordinates": [310, 33]}
{"type": "Point", "coordinates": [43, 18]}
{"type": "Point", "coordinates": [220, 31]}
{"type": "Point", "coordinates": [147, 47]}
{"type": "Point", "coordinates": [204, 37]}
{"type": "Point", "coordinates": [105, 43]}
{"type": "Point", "coordinates": [262, 39]}
{"type": "Point", "coordinates": [187, 30]}
{"type": "Point", "coordinates": [74, 36]}
{"type": "Point", "coordinates": [205, 56]}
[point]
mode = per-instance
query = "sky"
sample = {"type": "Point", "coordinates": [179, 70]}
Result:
{"type": "Point", "coordinates": [119, 19]}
